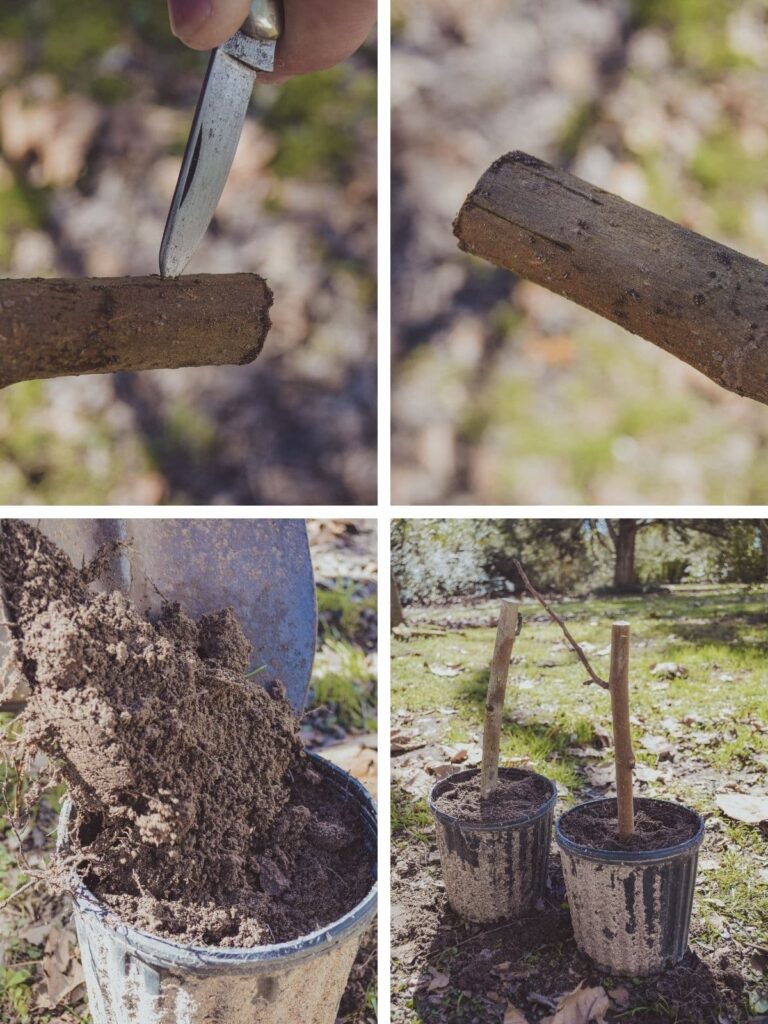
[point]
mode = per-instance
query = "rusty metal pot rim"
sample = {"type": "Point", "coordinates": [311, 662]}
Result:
{"type": "Point", "coordinates": [493, 826]}
{"type": "Point", "coordinates": [629, 856]}
{"type": "Point", "coordinates": [167, 953]}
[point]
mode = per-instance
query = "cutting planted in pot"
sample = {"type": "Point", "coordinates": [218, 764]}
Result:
{"type": "Point", "coordinates": [631, 900]}
{"type": "Point", "coordinates": [629, 863]}
{"type": "Point", "coordinates": [494, 826]}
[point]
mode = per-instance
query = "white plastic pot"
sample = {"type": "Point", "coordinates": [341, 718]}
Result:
{"type": "Point", "coordinates": [136, 978]}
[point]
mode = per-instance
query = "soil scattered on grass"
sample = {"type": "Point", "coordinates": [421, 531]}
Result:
{"type": "Point", "coordinates": [199, 816]}
{"type": "Point", "coordinates": [657, 826]}
{"type": "Point", "coordinates": [515, 797]}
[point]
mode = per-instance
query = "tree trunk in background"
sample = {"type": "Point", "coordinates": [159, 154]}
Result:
{"type": "Point", "coordinates": [395, 607]}
{"type": "Point", "coordinates": [624, 536]}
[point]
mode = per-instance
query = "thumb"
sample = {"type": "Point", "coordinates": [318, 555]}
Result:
{"type": "Point", "coordinates": [203, 24]}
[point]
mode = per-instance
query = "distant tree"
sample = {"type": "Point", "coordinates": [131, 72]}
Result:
{"type": "Point", "coordinates": [623, 534]}
{"type": "Point", "coordinates": [558, 552]}
{"type": "Point", "coordinates": [395, 606]}
{"type": "Point", "coordinates": [435, 559]}
{"type": "Point", "coordinates": [740, 546]}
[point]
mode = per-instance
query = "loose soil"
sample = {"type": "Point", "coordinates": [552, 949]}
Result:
{"type": "Point", "coordinates": [199, 816]}
{"type": "Point", "coordinates": [512, 800]}
{"type": "Point", "coordinates": [657, 826]}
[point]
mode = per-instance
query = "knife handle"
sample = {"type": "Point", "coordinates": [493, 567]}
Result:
{"type": "Point", "coordinates": [265, 20]}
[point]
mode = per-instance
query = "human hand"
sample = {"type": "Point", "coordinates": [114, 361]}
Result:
{"type": "Point", "coordinates": [317, 33]}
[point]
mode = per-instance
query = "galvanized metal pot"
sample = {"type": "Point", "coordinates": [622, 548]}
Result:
{"type": "Point", "coordinates": [631, 910]}
{"type": "Point", "coordinates": [135, 978]}
{"type": "Point", "coordinates": [498, 870]}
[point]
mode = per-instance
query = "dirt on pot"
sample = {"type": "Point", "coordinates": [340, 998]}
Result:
{"type": "Point", "coordinates": [200, 817]}
{"type": "Point", "coordinates": [658, 826]}
{"type": "Point", "coordinates": [511, 800]}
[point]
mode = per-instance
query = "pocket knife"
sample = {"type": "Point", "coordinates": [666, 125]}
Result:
{"type": "Point", "coordinates": [216, 127]}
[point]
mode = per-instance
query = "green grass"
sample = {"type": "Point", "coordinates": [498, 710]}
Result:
{"type": "Point", "coordinates": [341, 608]}
{"type": "Point", "coordinates": [72, 37]}
{"type": "Point", "coordinates": [344, 680]}
{"type": "Point", "coordinates": [661, 1007]}
{"type": "Point", "coordinates": [410, 818]}
{"type": "Point", "coordinates": [40, 464]}
{"type": "Point", "coordinates": [311, 117]}
{"type": "Point", "coordinates": [187, 434]}
{"type": "Point", "coordinates": [21, 208]}
{"type": "Point", "coordinates": [540, 426]}
{"type": "Point", "coordinates": [697, 30]}
{"type": "Point", "coordinates": [346, 684]}
{"type": "Point", "coordinates": [15, 993]}
{"type": "Point", "coordinates": [372, 999]}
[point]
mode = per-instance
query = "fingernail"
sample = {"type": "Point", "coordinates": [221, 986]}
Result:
{"type": "Point", "coordinates": [188, 15]}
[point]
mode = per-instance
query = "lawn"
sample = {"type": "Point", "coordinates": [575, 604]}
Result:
{"type": "Point", "coordinates": [699, 708]}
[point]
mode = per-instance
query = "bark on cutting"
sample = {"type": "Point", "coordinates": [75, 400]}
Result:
{"type": "Point", "coordinates": [697, 299]}
{"type": "Point", "coordinates": [56, 328]}
{"type": "Point", "coordinates": [497, 688]}
{"type": "Point", "coordinates": [622, 732]}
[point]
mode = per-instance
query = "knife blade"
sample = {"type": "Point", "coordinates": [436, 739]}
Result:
{"type": "Point", "coordinates": [215, 133]}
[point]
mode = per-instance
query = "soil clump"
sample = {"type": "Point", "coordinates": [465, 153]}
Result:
{"type": "Point", "coordinates": [657, 826]}
{"type": "Point", "coordinates": [511, 800]}
{"type": "Point", "coordinates": [199, 817]}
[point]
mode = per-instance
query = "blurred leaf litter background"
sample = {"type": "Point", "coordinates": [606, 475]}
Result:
{"type": "Point", "coordinates": [531, 399]}
{"type": "Point", "coordinates": [96, 100]}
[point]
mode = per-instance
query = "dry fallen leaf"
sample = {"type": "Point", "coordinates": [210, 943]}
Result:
{"type": "Point", "coordinates": [658, 745]}
{"type": "Point", "coordinates": [405, 742]}
{"type": "Point", "coordinates": [581, 1006]}
{"type": "Point", "coordinates": [601, 774]}
{"type": "Point", "coordinates": [620, 996]}
{"type": "Point", "coordinates": [709, 864]}
{"type": "Point", "coordinates": [751, 808]}
{"type": "Point", "coordinates": [444, 670]}
{"type": "Point", "coordinates": [62, 972]}
{"type": "Point", "coordinates": [438, 981]}
{"type": "Point", "coordinates": [514, 1016]}
{"type": "Point", "coordinates": [442, 771]}
{"type": "Point", "coordinates": [358, 757]}
{"type": "Point", "coordinates": [669, 670]}
{"type": "Point", "coordinates": [584, 752]}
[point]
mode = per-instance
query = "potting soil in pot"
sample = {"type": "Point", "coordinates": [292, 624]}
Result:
{"type": "Point", "coordinates": [199, 816]}
{"type": "Point", "coordinates": [511, 799]}
{"type": "Point", "coordinates": [658, 826]}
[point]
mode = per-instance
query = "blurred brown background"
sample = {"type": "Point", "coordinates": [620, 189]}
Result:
{"type": "Point", "coordinates": [530, 399]}
{"type": "Point", "coordinates": [95, 104]}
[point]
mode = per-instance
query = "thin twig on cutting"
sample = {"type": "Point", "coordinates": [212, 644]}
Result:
{"type": "Point", "coordinates": [593, 676]}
